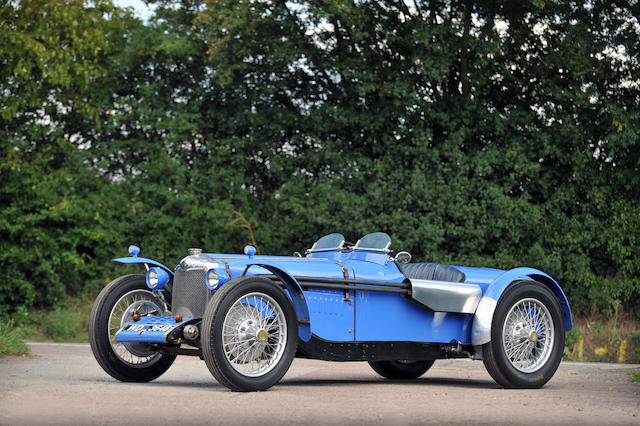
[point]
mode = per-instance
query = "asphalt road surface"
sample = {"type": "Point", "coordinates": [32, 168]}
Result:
{"type": "Point", "coordinates": [63, 384]}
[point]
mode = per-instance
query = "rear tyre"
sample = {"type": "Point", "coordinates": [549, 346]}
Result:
{"type": "Point", "coordinates": [113, 309]}
{"type": "Point", "coordinates": [527, 337]}
{"type": "Point", "coordinates": [401, 369]}
{"type": "Point", "coordinates": [249, 334]}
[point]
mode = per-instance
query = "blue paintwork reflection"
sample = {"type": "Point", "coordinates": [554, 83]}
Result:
{"type": "Point", "coordinates": [332, 317]}
{"type": "Point", "coordinates": [391, 317]}
{"type": "Point", "coordinates": [143, 260]}
{"type": "Point", "coordinates": [481, 276]}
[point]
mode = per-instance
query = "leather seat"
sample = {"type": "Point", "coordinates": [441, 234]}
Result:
{"type": "Point", "coordinates": [433, 272]}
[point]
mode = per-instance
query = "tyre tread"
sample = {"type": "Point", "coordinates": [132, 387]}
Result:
{"type": "Point", "coordinates": [101, 347]}
{"type": "Point", "coordinates": [501, 370]}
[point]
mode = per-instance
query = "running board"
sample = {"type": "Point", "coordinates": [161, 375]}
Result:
{"type": "Point", "coordinates": [444, 296]}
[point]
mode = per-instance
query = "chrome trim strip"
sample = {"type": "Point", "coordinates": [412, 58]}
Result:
{"type": "Point", "coordinates": [323, 250]}
{"type": "Point", "coordinates": [482, 320]}
{"type": "Point", "coordinates": [278, 259]}
{"type": "Point", "coordinates": [444, 296]}
{"type": "Point", "coordinates": [372, 250]}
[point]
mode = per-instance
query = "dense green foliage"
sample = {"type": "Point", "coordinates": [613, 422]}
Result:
{"type": "Point", "coordinates": [487, 133]}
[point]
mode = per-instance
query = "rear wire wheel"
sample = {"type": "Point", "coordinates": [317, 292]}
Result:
{"type": "Point", "coordinates": [401, 369]}
{"type": "Point", "coordinates": [527, 337]}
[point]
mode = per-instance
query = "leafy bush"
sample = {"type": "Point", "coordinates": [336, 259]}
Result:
{"type": "Point", "coordinates": [11, 339]}
{"type": "Point", "coordinates": [66, 325]}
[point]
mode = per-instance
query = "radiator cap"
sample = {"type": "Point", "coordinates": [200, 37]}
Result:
{"type": "Point", "coordinates": [194, 251]}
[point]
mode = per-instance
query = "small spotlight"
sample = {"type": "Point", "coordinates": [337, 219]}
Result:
{"type": "Point", "coordinates": [178, 318]}
{"type": "Point", "coordinates": [136, 317]}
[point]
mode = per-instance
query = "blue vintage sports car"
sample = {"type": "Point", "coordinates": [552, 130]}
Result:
{"type": "Point", "coordinates": [248, 316]}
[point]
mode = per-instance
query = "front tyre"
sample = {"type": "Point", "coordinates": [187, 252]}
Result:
{"type": "Point", "coordinates": [401, 369]}
{"type": "Point", "coordinates": [113, 309]}
{"type": "Point", "coordinates": [527, 337]}
{"type": "Point", "coordinates": [249, 334]}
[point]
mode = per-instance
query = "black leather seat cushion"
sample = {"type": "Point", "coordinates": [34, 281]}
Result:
{"type": "Point", "coordinates": [433, 271]}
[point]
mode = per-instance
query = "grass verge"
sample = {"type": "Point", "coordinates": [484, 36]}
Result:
{"type": "Point", "coordinates": [635, 377]}
{"type": "Point", "coordinates": [11, 338]}
{"type": "Point", "coordinates": [67, 323]}
{"type": "Point", "coordinates": [615, 339]}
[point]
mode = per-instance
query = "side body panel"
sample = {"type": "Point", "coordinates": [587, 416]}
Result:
{"type": "Point", "coordinates": [395, 318]}
{"type": "Point", "coordinates": [332, 314]}
{"type": "Point", "coordinates": [391, 317]}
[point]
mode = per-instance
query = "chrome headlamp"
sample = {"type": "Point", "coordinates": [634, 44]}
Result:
{"type": "Point", "coordinates": [212, 279]}
{"type": "Point", "coordinates": [216, 277]}
{"type": "Point", "coordinates": [157, 278]}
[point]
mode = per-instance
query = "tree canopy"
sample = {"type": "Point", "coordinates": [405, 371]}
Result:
{"type": "Point", "coordinates": [484, 133]}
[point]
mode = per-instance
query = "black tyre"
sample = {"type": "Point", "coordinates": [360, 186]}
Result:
{"type": "Point", "coordinates": [114, 307]}
{"type": "Point", "coordinates": [249, 334]}
{"type": "Point", "coordinates": [527, 337]}
{"type": "Point", "coordinates": [401, 369]}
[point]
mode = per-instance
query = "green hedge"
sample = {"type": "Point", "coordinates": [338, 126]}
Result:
{"type": "Point", "coordinates": [276, 122]}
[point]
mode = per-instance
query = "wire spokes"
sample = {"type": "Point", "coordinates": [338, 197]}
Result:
{"type": "Point", "coordinates": [142, 302]}
{"type": "Point", "coordinates": [254, 334]}
{"type": "Point", "coordinates": [528, 335]}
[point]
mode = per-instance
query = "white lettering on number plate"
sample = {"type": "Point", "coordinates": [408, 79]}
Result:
{"type": "Point", "coordinates": [143, 327]}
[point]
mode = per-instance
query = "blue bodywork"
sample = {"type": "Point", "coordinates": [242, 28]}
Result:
{"type": "Point", "coordinates": [144, 261]}
{"type": "Point", "coordinates": [150, 329]}
{"type": "Point", "coordinates": [358, 314]}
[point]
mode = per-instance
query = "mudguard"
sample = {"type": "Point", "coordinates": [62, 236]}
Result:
{"type": "Point", "coordinates": [295, 293]}
{"type": "Point", "coordinates": [483, 318]}
{"type": "Point", "coordinates": [137, 259]}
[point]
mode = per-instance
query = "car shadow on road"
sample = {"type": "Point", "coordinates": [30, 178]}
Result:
{"type": "Point", "coordinates": [315, 382]}
{"type": "Point", "coordinates": [158, 382]}
{"type": "Point", "coordinates": [426, 381]}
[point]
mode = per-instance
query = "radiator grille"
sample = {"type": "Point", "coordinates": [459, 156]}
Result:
{"type": "Point", "coordinates": [190, 293]}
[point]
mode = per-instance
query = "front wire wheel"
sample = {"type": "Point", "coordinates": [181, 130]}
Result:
{"type": "Point", "coordinates": [112, 310]}
{"type": "Point", "coordinates": [527, 337]}
{"type": "Point", "coordinates": [254, 334]}
{"type": "Point", "coordinates": [249, 334]}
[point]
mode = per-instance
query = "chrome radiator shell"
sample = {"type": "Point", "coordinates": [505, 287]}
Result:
{"type": "Point", "coordinates": [190, 292]}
